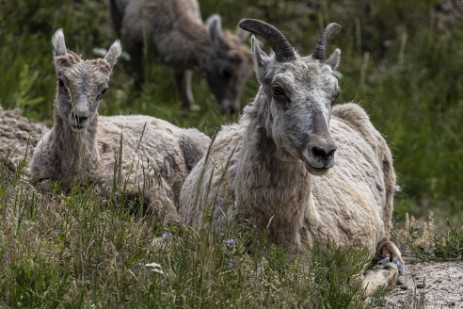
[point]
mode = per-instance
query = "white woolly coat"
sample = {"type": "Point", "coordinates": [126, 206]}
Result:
{"type": "Point", "coordinates": [139, 154]}
{"type": "Point", "coordinates": [241, 181]}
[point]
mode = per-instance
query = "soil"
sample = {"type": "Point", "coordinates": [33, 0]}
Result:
{"type": "Point", "coordinates": [429, 285]}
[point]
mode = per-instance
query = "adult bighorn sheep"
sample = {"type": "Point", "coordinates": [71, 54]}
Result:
{"type": "Point", "coordinates": [174, 32]}
{"type": "Point", "coordinates": [275, 169]}
{"type": "Point", "coordinates": [142, 157]}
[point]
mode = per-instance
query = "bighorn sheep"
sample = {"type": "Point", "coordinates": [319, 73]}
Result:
{"type": "Point", "coordinates": [139, 156]}
{"type": "Point", "coordinates": [275, 169]}
{"type": "Point", "coordinates": [175, 33]}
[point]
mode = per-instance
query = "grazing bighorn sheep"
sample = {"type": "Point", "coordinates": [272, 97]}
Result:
{"type": "Point", "coordinates": [275, 169]}
{"type": "Point", "coordinates": [140, 156]}
{"type": "Point", "coordinates": [175, 33]}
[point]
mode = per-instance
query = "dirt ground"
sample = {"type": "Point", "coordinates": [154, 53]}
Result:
{"type": "Point", "coordinates": [430, 285]}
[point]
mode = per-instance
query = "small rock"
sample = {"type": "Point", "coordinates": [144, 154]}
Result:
{"type": "Point", "coordinates": [404, 287]}
{"type": "Point", "coordinates": [421, 285]}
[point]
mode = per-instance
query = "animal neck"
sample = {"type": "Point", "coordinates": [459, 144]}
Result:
{"type": "Point", "coordinates": [273, 188]}
{"type": "Point", "coordinates": [193, 46]}
{"type": "Point", "coordinates": [76, 153]}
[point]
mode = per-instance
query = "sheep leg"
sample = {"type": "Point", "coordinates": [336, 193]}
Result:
{"type": "Point", "coordinates": [135, 51]}
{"type": "Point", "coordinates": [183, 83]}
{"type": "Point", "coordinates": [386, 272]}
{"type": "Point", "coordinates": [379, 276]}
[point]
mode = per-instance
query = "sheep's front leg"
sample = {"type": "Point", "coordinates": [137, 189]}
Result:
{"type": "Point", "coordinates": [379, 276]}
{"type": "Point", "coordinates": [135, 50]}
{"type": "Point", "coordinates": [387, 270]}
{"type": "Point", "coordinates": [183, 83]}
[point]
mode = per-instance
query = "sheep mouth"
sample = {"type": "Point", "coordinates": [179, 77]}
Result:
{"type": "Point", "coordinates": [77, 128]}
{"type": "Point", "coordinates": [317, 171]}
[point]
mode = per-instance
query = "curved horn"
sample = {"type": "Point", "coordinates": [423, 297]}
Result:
{"type": "Point", "coordinates": [319, 51]}
{"type": "Point", "coordinates": [280, 45]}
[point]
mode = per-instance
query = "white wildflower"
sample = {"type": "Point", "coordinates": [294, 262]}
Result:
{"type": "Point", "coordinates": [155, 267]}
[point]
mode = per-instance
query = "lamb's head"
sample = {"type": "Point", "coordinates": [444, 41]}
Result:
{"type": "Point", "coordinates": [299, 93]}
{"type": "Point", "coordinates": [80, 83]}
{"type": "Point", "coordinates": [228, 67]}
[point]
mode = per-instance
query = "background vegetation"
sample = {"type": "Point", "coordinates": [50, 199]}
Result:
{"type": "Point", "coordinates": [402, 61]}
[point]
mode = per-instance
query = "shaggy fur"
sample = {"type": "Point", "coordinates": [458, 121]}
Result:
{"type": "Point", "coordinates": [176, 34]}
{"type": "Point", "coordinates": [351, 204]}
{"type": "Point", "coordinates": [140, 156]}
{"type": "Point", "coordinates": [273, 170]}
{"type": "Point", "coordinates": [18, 138]}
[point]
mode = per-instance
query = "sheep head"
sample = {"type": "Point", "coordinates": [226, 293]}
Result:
{"type": "Point", "coordinates": [80, 83]}
{"type": "Point", "coordinates": [228, 67]}
{"type": "Point", "coordinates": [299, 94]}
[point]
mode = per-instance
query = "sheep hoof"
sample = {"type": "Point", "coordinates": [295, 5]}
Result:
{"type": "Point", "coordinates": [380, 276]}
{"type": "Point", "coordinates": [399, 264]}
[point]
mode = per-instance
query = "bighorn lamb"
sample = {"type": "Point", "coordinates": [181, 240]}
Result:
{"type": "Point", "coordinates": [176, 34]}
{"type": "Point", "coordinates": [140, 156]}
{"type": "Point", "coordinates": [275, 169]}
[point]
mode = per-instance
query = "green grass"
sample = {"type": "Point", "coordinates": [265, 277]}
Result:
{"type": "Point", "coordinates": [74, 251]}
{"type": "Point", "coordinates": [401, 60]}
{"type": "Point", "coordinates": [429, 242]}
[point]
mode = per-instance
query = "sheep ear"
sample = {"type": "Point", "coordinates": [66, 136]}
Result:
{"type": "Point", "coordinates": [113, 53]}
{"type": "Point", "coordinates": [214, 28]}
{"type": "Point", "coordinates": [334, 60]}
{"type": "Point", "coordinates": [59, 47]}
{"type": "Point", "coordinates": [259, 58]}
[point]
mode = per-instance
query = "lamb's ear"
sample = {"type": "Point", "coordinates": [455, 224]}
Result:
{"type": "Point", "coordinates": [334, 59]}
{"type": "Point", "coordinates": [259, 58]}
{"type": "Point", "coordinates": [214, 28]}
{"type": "Point", "coordinates": [57, 40]}
{"type": "Point", "coordinates": [113, 53]}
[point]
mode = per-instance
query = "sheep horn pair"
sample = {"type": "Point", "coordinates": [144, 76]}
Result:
{"type": "Point", "coordinates": [284, 51]}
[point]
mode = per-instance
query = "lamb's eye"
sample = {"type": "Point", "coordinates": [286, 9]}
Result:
{"type": "Point", "coordinates": [98, 97]}
{"type": "Point", "coordinates": [61, 83]}
{"type": "Point", "coordinates": [278, 91]}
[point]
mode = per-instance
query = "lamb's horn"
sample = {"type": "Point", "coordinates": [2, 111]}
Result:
{"type": "Point", "coordinates": [280, 45]}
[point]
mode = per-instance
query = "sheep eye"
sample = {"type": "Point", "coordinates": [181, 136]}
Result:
{"type": "Point", "coordinates": [98, 97]}
{"type": "Point", "coordinates": [335, 97]}
{"type": "Point", "coordinates": [278, 91]}
{"type": "Point", "coordinates": [61, 83]}
{"type": "Point", "coordinates": [226, 73]}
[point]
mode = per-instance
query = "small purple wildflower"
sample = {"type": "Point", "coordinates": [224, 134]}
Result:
{"type": "Point", "coordinates": [425, 202]}
{"type": "Point", "coordinates": [230, 242]}
{"type": "Point", "coordinates": [166, 235]}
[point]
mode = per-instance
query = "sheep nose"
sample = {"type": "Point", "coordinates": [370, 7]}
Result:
{"type": "Point", "coordinates": [80, 119]}
{"type": "Point", "coordinates": [232, 109]}
{"type": "Point", "coordinates": [326, 152]}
